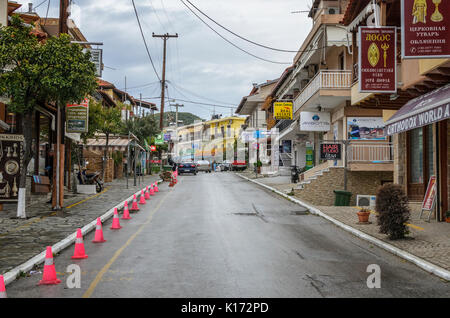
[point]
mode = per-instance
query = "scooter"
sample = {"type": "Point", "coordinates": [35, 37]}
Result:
{"type": "Point", "coordinates": [91, 179]}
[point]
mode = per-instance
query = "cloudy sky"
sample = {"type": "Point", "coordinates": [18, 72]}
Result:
{"type": "Point", "coordinates": [201, 66]}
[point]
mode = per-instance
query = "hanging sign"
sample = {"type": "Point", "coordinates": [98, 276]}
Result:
{"type": "Point", "coordinates": [315, 121]}
{"type": "Point", "coordinates": [330, 151]}
{"type": "Point", "coordinates": [378, 59]}
{"type": "Point", "coordinates": [425, 29]}
{"type": "Point", "coordinates": [283, 111]}
{"type": "Point", "coordinates": [78, 117]}
{"type": "Point", "coordinates": [11, 166]}
{"type": "Point", "coordinates": [153, 148]}
{"type": "Point", "coordinates": [159, 140]}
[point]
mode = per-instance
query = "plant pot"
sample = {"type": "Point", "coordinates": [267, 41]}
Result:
{"type": "Point", "coordinates": [363, 217]}
{"type": "Point", "coordinates": [447, 220]}
{"type": "Point", "coordinates": [258, 169]}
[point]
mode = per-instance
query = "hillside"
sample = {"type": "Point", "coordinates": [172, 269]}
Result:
{"type": "Point", "coordinates": [187, 118]}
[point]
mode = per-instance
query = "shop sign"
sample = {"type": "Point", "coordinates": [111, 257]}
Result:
{"type": "Point", "coordinates": [159, 140]}
{"type": "Point", "coordinates": [425, 29]}
{"type": "Point", "coordinates": [78, 117]}
{"type": "Point", "coordinates": [330, 151]}
{"type": "Point", "coordinates": [283, 111]}
{"type": "Point", "coordinates": [378, 59]}
{"type": "Point", "coordinates": [309, 156]}
{"type": "Point", "coordinates": [11, 166]}
{"type": "Point", "coordinates": [365, 128]}
{"type": "Point", "coordinates": [315, 121]}
{"type": "Point", "coordinates": [153, 148]}
{"type": "Point", "coordinates": [430, 197]}
{"type": "Point", "coordinates": [422, 111]}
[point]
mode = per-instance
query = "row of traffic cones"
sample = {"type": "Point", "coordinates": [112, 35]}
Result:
{"type": "Point", "coordinates": [49, 275]}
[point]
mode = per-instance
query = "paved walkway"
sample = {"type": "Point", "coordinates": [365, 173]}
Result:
{"type": "Point", "coordinates": [20, 240]}
{"type": "Point", "coordinates": [429, 241]}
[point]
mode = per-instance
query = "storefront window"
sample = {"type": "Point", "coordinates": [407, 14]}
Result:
{"type": "Point", "coordinates": [416, 158]}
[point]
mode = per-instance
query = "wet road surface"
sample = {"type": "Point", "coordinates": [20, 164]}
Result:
{"type": "Point", "coordinates": [216, 235]}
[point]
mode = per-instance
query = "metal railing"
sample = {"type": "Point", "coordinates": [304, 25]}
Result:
{"type": "Point", "coordinates": [324, 80]}
{"type": "Point", "coordinates": [379, 152]}
{"type": "Point", "coordinates": [283, 124]}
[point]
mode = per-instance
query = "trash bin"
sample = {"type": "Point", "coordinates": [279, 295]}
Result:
{"type": "Point", "coordinates": [342, 198]}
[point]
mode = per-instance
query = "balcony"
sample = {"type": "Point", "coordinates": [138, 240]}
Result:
{"type": "Point", "coordinates": [371, 157]}
{"type": "Point", "coordinates": [325, 80]}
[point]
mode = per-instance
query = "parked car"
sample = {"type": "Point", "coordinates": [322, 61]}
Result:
{"type": "Point", "coordinates": [226, 165]}
{"type": "Point", "coordinates": [239, 166]}
{"type": "Point", "coordinates": [187, 167]}
{"type": "Point", "coordinates": [204, 165]}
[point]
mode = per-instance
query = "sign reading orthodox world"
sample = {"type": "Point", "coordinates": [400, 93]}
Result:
{"type": "Point", "coordinates": [78, 117]}
{"type": "Point", "coordinates": [425, 29]}
{"type": "Point", "coordinates": [283, 111]}
{"type": "Point", "coordinates": [378, 60]}
{"type": "Point", "coordinates": [11, 165]}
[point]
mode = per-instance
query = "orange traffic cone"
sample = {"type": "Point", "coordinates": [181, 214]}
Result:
{"type": "Point", "coordinates": [147, 194]}
{"type": "Point", "coordinates": [99, 233]}
{"type": "Point", "coordinates": [156, 187]}
{"type": "Point", "coordinates": [2, 288]}
{"type": "Point", "coordinates": [116, 221]}
{"type": "Point", "coordinates": [135, 206]}
{"type": "Point", "coordinates": [152, 190]}
{"type": "Point", "coordinates": [49, 277]}
{"type": "Point", "coordinates": [142, 201]}
{"type": "Point", "coordinates": [126, 212]}
{"type": "Point", "coordinates": [80, 253]}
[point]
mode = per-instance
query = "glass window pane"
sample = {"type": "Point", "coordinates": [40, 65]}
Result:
{"type": "Point", "coordinates": [416, 157]}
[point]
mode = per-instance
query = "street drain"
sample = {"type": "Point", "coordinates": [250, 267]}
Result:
{"type": "Point", "coordinates": [300, 213]}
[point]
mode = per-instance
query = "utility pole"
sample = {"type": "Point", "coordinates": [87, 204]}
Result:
{"type": "Point", "coordinates": [165, 37]}
{"type": "Point", "coordinates": [176, 116]}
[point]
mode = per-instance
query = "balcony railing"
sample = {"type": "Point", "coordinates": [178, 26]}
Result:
{"type": "Point", "coordinates": [324, 80]}
{"type": "Point", "coordinates": [373, 153]}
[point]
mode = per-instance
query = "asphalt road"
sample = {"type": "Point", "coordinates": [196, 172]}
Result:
{"type": "Point", "coordinates": [216, 235]}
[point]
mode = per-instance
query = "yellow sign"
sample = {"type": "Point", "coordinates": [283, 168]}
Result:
{"type": "Point", "coordinates": [283, 111]}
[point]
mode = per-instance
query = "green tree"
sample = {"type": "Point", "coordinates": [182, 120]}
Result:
{"type": "Point", "coordinates": [105, 120]}
{"type": "Point", "coordinates": [33, 72]}
{"type": "Point", "coordinates": [142, 127]}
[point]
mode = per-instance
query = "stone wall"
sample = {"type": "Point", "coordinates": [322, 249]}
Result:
{"type": "Point", "coordinates": [96, 165]}
{"type": "Point", "coordinates": [321, 190]}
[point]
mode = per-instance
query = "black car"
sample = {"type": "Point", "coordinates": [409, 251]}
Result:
{"type": "Point", "coordinates": [187, 167]}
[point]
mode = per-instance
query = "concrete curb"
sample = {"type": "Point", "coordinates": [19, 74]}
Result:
{"type": "Point", "coordinates": [423, 264]}
{"type": "Point", "coordinates": [11, 276]}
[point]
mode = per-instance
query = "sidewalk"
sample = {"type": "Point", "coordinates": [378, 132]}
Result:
{"type": "Point", "coordinates": [428, 241]}
{"type": "Point", "coordinates": [21, 240]}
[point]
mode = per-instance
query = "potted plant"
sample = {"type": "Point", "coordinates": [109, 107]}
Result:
{"type": "Point", "coordinates": [258, 166]}
{"type": "Point", "coordinates": [364, 215]}
{"type": "Point", "coordinates": [448, 217]}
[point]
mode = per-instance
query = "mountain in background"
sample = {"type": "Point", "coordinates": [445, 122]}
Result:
{"type": "Point", "coordinates": [187, 118]}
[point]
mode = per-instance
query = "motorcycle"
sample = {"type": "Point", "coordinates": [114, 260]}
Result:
{"type": "Point", "coordinates": [91, 179]}
{"type": "Point", "coordinates": [295, 174]}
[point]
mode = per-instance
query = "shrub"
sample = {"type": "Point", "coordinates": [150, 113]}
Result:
{"type": "Point", "coordinates": [394, 212]}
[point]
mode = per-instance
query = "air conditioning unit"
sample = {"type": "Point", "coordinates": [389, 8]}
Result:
{"type": "Point", "coordinates": [366, 201]}
{"type": "Point", "coordinates": [332, 10]}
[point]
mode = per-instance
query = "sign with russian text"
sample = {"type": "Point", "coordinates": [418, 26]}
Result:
{"type": "Point", "coordinates": [78, 117]}
{"type": "Point", "coordinates": [425, 29]}
{"type": "Point", "coordinates": [378, 59]}
{"type": "Point", "coordinates": [330, 151]}
{"type": "Point", "coordinates": [283, 111]}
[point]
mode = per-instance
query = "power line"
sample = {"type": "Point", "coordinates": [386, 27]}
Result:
{"type": "Point", "coordinates": [145, 42]}
{"type": "Point", "coordinates": [40, 4]}
{"type": "Point", "coordinates": [196, 95]}
{"type": "Point", "coordinates": [239, 36]}
{"type": "Point", "coordinates": [239, 48]}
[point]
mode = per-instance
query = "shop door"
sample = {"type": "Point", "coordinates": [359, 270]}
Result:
{"type": "Point", "coordinates": [420, 161]}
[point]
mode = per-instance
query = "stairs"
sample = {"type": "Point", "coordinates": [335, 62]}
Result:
{"type": "Point", "coordinates": [313, 178]}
